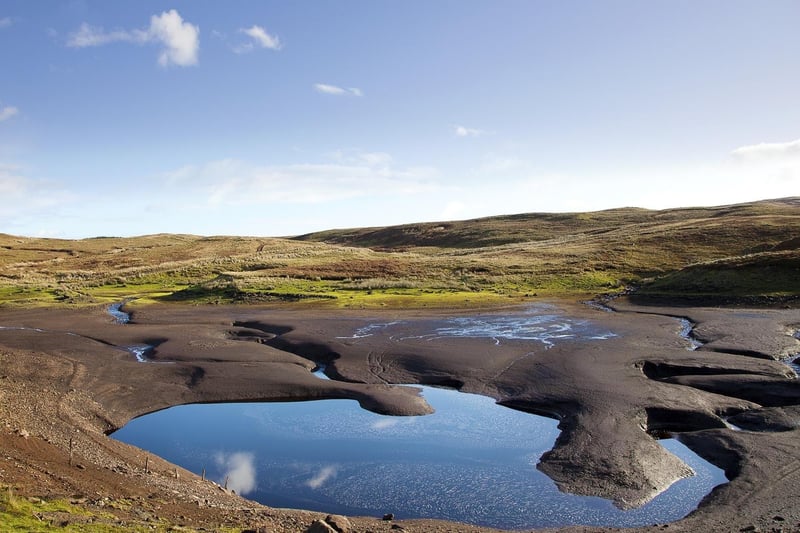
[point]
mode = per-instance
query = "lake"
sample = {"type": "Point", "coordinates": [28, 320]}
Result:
{"type": "Point", "coordinates": [471, 461]}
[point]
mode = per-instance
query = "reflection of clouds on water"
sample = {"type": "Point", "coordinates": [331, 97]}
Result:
{"type": "Point", "coordinates": [384, 423]}
{"type": "Point", "coordinates": [239, 468]}
{"type": "Point", "coordinates": [325, 473]}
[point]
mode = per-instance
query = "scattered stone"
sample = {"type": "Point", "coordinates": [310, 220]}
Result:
{"type": "Point", "coordinates": [23, 433]}
{"type": "Point", "coordinates": [339, 523]}
{"type": "Point", "coordinates": [388, 516]}
{"type": "Point", "coordinates": [319, 526]}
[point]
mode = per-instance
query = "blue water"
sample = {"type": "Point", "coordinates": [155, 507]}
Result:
{"type": "Point", "coordinates": [472, 461]}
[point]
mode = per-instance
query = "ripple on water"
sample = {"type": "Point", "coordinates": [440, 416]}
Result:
{"type": "Point", "coordinates": [539, 323]}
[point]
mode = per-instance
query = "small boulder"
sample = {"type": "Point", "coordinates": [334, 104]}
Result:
{"type": "Point", "coordinates": [388, 516]}
{"type": "Point", "coordinates": [338, 522]}
{"type": "Point", "coordinates": [319, 526]}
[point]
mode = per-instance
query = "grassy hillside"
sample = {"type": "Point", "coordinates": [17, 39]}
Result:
{"type": "Point", "coordinates": [470, 262]}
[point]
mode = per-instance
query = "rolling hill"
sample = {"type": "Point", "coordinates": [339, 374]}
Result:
{"type": "Point", "coordinates": [746, 250]}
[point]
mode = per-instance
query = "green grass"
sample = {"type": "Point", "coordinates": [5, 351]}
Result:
{"type": "Point", "coordinates": [21, 514]}
{"type": "Point", "coordinates": [36, 515]}
{"type": "Point", "coordinates": [774, 274]}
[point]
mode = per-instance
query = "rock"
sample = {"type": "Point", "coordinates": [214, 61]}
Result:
{"type": "Point", "coordinates": [319, 526]}
{"type": "Point", "coordinates": [778, 518]}
{"type": "Point", "coordinates": [339, 523]}
{"type": "Point", "coordinates": [23, 433]}
{"type": "Point", "coordinates": [388, 516]}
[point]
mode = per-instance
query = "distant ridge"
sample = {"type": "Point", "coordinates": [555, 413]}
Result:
{"type": "Point", "coordinates": [531, 227]}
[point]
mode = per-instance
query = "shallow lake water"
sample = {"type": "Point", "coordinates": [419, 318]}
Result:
{"type": "Point", "coordinates": [471, 461]}
{"type": "Point", "coordinates": [540, 323]}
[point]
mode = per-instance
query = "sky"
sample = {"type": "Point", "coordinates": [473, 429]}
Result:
{"type": "Point", "coordinates": [275, 118]}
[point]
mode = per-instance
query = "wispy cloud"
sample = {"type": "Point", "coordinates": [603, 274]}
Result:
{"type": "Point", "coordinates": [239, 469]}
{"type": "Point", "coordinates": [26, 198]}
{"type": "Point", "coordinates": [346, 175]}
{"type": "Point", "coordinates": [768, 150]}
{"type": "Point", "coordinates": [463, 131]}
{"type": "Point", "coordinates": [87, 36]}
{"type": "Point", "coordinates": [260, 37]}
{"type": "Point", "coordinates": [8, 112]}
{"type": "Point", "coordinates": [180, 39]}
{"type": "Point", "coordinates": [325, 88]}
{"type": "Point", "coordinates": [5, 22]}
{"type": "Point", "coordinates": [322, 477]}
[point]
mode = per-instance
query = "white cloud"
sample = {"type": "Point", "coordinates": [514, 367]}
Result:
{"type": "Point", "coordinates": [768, 150]}
{"type": "Point", "coordinates": [260, 37]}
{"type": "Point", "coordinates": [5, 22]}
{"type": "Point", "coordinates": [322, 477]}
{"type": "Point", "coordinates": [462, 131]}
{"type": "Point", "coordinates": [181, 40]}
{"type": "Point", "coordinates": [87, 36]}
{"type": "Point", "coordinates": [325, 88]}
{"type": "Point", "coordinates": [8, 112]}
{"type": "Point", "coordinates": [239, 469]}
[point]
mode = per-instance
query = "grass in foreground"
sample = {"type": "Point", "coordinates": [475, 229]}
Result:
{"type": "Point", "coordinates": [35, 515]}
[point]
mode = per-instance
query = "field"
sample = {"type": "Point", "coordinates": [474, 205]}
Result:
{"type": "Point", "coordinates": [746, 251]}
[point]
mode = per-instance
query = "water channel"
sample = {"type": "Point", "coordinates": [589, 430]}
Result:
{"type": "Point", "coordinates": [471, 461]}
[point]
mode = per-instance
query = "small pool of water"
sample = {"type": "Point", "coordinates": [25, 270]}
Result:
{"type": "Point", "coordinates": [540, 323]}
{"type": "Point", "coordinates": [472, 461]}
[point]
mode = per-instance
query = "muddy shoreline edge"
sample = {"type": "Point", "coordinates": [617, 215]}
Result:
{"type": "Point", "coordinates": [72, 376]}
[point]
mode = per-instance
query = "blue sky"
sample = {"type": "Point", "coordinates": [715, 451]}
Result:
{"type": "Point", "coordinates": [279, 118]}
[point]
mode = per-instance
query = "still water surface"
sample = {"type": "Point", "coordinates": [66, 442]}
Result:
{"type": "Point", "coordinates": [471, 461]}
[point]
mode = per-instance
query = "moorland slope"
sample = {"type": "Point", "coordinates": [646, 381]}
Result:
{"type": "Point", "coordinates": [699, 252]}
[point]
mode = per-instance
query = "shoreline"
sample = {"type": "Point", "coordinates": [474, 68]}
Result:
{"type": "Point", "coordinates": [601, 390]}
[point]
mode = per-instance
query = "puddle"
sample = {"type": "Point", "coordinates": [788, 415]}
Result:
{"type": "Point", "coordinates": [539, 323]}
{"type": "Point", "coordinates": [472, 461]}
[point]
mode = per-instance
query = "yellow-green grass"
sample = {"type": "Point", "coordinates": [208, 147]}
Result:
{"type": "Point", "coordinates": [485, 260]}
{"type": "Point", "coordinates": [36, 515]}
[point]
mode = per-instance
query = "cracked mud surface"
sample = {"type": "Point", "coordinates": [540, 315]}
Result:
{"type": "Point", "coordinates": [609, 396]}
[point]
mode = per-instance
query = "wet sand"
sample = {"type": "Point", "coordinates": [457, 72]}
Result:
{"type": "Point", "coordinates": [609, 396]}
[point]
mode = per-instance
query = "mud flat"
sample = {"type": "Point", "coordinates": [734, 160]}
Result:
{"type": "Point", "coordinates": [67, 376]}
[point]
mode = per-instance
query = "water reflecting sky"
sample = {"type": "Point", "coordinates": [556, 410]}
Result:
{"type": "Point", "coordinates": [540, 323]}
{"type": "Point", "coordinates": [471, 461]}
